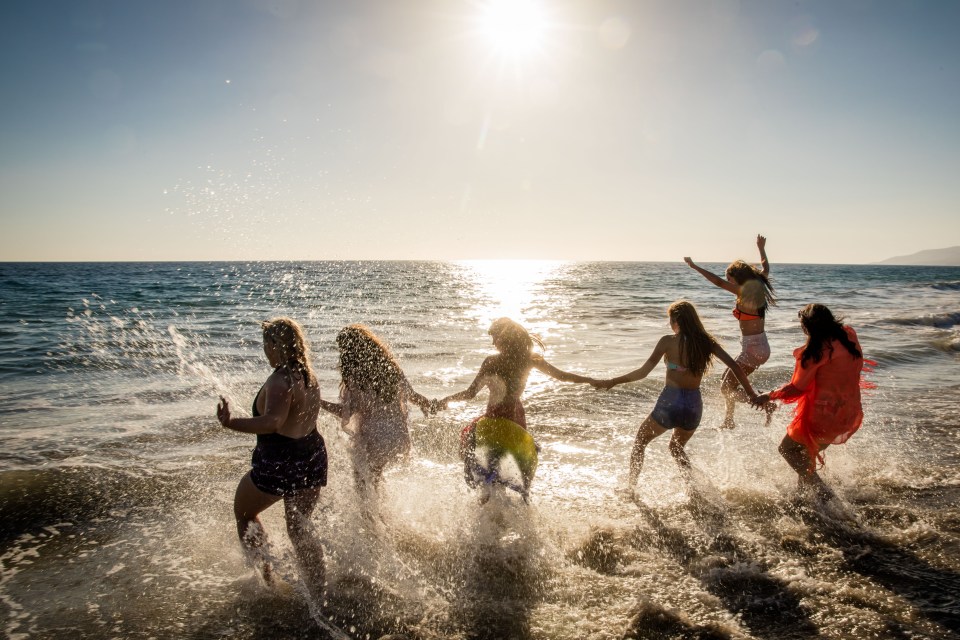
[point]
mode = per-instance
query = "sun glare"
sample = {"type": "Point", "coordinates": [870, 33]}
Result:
{"type": "Point", "coordinates": [514, 28]}
{"type": "Point", "coordinates": [507, 287]}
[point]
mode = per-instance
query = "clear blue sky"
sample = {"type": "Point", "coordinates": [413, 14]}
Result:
{"type": "Point", "coordinates": [594, 130]}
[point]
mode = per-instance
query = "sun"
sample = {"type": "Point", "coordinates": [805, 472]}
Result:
{"type": "Point", "coordinates": [514, 28]}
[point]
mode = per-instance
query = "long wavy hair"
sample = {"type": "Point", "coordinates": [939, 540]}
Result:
{"type": "Point", "coordinates": [696, 343]}
{"type": "Point", "coordinates": [366, 362]}
{"type": "Point", "coordinates": [822, 328]}
{"type": "Point", "coordinates": [515, 345]}
{"type": "Point", "coordinates": [744, 273]}
{"type": "Point", "coordinates": [287, 335]}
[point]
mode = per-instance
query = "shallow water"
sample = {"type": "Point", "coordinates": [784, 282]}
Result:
{"type": "Point", "coordinates": [116, 482]}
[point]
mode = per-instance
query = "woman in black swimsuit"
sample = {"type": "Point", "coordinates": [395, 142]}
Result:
{"type": "Point", "coordinates": [290, 459]}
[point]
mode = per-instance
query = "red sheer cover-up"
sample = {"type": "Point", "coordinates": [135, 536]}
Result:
{"type": "Point", "coordinates": [827, 395]}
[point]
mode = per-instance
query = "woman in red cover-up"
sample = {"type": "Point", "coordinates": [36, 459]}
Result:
{"type": "Point", "coordinates": [825, 386]}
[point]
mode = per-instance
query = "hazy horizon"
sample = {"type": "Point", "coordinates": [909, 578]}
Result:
{"type": "Point", "coordinates": [483, 129]}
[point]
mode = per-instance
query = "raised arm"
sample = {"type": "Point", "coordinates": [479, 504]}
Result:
{"type": "Point", "coordinates": [737, 371]}
{"type": "Point", "coordinates": [712, 277]}
{"type": "Point", "coordinates": [564, 376]}
{"type": "Point", "coordinates": [761, 245]}
{"type": "Point", "coordinates": [642, 372]}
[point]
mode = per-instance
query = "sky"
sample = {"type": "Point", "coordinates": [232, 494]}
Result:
{"type": "Point", "coordinates": [478, 129]}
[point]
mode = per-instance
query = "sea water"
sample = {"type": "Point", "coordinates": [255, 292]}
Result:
{"type": "Point", "coordinates": [117, 482]}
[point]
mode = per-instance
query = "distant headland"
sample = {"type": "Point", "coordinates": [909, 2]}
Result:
{"type": "Point", "coordinates": [949, 257]}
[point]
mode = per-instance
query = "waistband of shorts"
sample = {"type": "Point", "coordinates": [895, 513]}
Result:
{"type": "Point", "coordinates": [758, 338]}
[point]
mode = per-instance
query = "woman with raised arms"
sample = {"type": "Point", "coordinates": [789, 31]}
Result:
{"type": "Point", "coordinates": [754, 295]}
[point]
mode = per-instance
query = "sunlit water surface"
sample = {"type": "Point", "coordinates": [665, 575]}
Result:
{"type": "Point", "coordinates": [116, 482]}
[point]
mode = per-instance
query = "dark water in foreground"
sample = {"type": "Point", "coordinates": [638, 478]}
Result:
{"type": "Point", "coordinates": [116, 482]}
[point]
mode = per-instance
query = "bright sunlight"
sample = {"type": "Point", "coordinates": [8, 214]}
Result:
{"type": "Point", "coordinates": [515, 28]}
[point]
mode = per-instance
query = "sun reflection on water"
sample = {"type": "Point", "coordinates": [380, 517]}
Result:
{"type": "Point", "coordinates": [515, 289]}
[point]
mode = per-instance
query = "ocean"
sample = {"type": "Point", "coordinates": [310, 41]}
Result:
{"type": "Point", "coordinates": [117, 482]}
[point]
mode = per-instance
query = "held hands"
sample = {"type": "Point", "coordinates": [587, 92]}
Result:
{"type": "Point", "coordinates": [603, 384]}
{"type": "Point", "coordinates": [763, 403]}
{"type": "Point", "coordinates": [437, 405]}
{"type": "Point", "coordinates": [223, 412]}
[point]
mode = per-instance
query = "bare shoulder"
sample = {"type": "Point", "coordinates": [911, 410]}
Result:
{"type": "Point", "coordinates": [280, 380]}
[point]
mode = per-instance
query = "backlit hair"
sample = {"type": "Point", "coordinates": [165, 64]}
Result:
{"type": "Point", "coordinates": [288, 337]}
{"type": "Point", "coordinates": [366, 362]}
{"type": "Point", "coordinates": [744, 273]}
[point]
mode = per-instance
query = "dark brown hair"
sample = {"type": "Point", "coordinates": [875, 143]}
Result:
{"type": "Point", "coordinates": [822, 328]}
{"type": "Point", "coordinates": [696, 343]}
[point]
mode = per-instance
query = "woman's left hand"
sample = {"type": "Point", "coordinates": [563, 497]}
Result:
{"type": "Point", "coordinates": [223, 412]}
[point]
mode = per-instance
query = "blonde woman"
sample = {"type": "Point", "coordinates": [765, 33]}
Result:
{"type": "Point", "coordinates": [373, 407]}
{"type": "Point", "coordinates": [290, 460]}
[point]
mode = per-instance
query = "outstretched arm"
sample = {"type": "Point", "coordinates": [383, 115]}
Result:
{"type": "Point", "coordinates": [564, 376]}
{"type": "Point", "coordinates": [712, 277]}
{"type": "Point", "coordinates": [637, 374]}
{"type": "Point", "coordinates": [761, 245]}
{"type": "Point", "coordinates": [416, 398]}
{"type": "Point", "coordinates": [737, 371]}
{"type": "Point", "coordinates": [468, 393]}
{"type": "Point", "coordinates": [331, 407]}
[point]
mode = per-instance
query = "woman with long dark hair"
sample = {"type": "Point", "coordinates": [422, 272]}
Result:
{"type": "Point", "coordinates": [290, 460]}
{"type": "Point", "coordinates": [686, 353]}
{"type": "Point", "coordinates": [825, 386]}
{"type": "Point", "coordinates": [374, 396]}
{"type": "Point", "coordinates": [754, 295]}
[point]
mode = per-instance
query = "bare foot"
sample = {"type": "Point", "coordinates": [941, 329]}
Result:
{"type": "Point", "coordinates": [728, 423]}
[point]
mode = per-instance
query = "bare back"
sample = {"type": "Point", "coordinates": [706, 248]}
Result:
{"type": "Point", "coordinates": [303, 401]}
{"type": "Point", "coordinates": [681, 376]}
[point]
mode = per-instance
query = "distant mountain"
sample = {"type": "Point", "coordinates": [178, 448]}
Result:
{"type": "Point", "coordinates": [949, 257]}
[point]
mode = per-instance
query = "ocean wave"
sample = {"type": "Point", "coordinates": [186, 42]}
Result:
{"type": "Point", "coordinates": [937, 320]}
{"type": "Point", "coordinates": [946, 286]}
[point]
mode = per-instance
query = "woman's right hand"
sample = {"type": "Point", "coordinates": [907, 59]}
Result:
{"type": "Point", "coordinates": [223, 412]}
{"type": "Point", "coordinates": [688, 260]}
{"type": "Point", "coordinates": [602, 384]}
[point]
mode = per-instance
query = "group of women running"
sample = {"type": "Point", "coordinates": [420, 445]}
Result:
{"type": "Point", "coordinates": [290, 460]}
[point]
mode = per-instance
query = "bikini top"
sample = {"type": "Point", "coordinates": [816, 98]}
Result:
{"type": "Point", "coordinates": [742, 315]}
{"type": "Point", "coordinates": [673, 366]}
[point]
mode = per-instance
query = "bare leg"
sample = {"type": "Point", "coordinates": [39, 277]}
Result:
{"type": "Point", "coordinates": [248, 503]}
{"type": "Point", "coordinates": [648, 430]}
{"type": "Point", "coordinates": [298, 509]}
{"type": "Point", "coordinates": [732, 393]}
{"type": "Point", "coordinates": [677, 443]}
{"type": "Point", "coordinates": [799, 460]}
